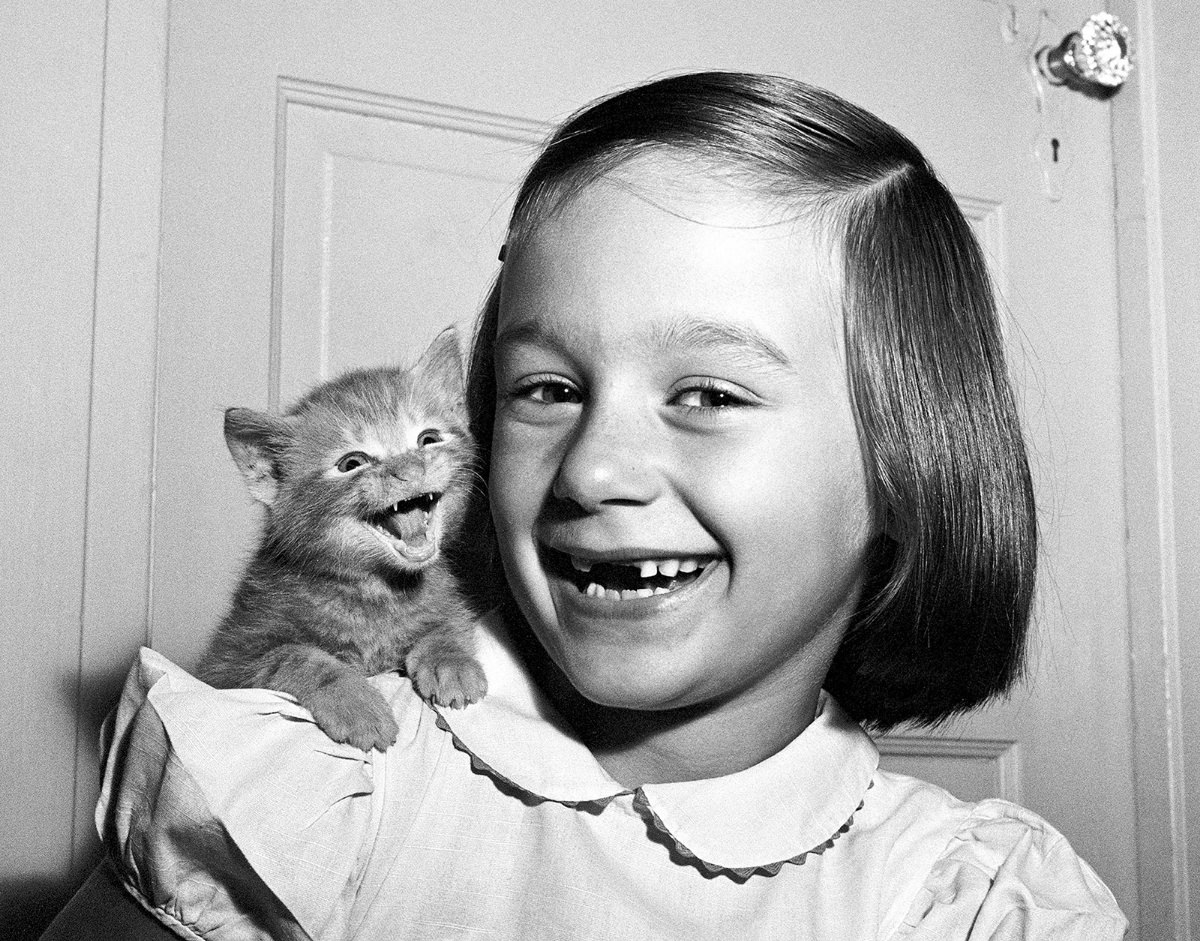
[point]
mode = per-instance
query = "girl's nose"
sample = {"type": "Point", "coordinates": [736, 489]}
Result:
{"type": "Point", "coordinates": [610, 460]}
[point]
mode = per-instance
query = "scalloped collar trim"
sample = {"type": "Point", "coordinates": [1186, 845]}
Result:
{"type": "Point", "coordinates": [781, 810]}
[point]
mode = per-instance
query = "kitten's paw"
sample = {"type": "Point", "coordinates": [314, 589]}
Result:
{"type": "Point", "coordinates": [454, 681]}
{"type": "Point", "coordinates": [352, 711]}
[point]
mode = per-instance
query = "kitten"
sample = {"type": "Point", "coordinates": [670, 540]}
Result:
{"type": "Point", "coordinates": [364, 481]}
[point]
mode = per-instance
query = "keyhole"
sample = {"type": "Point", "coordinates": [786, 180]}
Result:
{"type": "Point", "coordinates": [1054, 145]}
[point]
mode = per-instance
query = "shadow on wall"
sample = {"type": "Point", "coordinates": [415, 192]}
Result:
{"type": "Point", "coordinates": [29, 904]}
{"type": "Point", "coordinates": [98, 693]}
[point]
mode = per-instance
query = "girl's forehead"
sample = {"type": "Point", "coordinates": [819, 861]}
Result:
{"type": "Point", "coordinates": [699, 211]}
{"type": "Point", "coordinates": [695, 189]}
{"type": "Point", "coordinates": [658, 240]}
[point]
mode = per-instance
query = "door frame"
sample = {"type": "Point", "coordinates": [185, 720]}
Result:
{"type": "Point", "coordinates": [1160, 507]}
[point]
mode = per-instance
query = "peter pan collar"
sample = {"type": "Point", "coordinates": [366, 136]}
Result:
{"type": "Point", "coordinates": [795, 803]}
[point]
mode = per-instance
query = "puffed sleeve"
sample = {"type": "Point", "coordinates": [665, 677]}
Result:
{"type": "Point", "coordinates": [1007, 875]}
{"type": "Point", "coordinates": [230, 815]}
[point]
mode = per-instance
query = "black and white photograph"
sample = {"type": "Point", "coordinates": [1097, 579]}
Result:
{"type": "Point", "coordinates": [559, 471]}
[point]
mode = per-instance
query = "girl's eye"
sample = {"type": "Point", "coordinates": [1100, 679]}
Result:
{"type": "Point", "coordinates": [429, 436]}
{"type": "Point", "coordinates": [550, 392]}
{"type": "Point", "coordinates": [709, 397]}
{"type": "Point", "coordinates": [352, 462]}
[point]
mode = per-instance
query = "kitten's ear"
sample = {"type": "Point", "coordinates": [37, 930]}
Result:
{"type": "Point", "coordinates": [255, 440]}
{"type": "Point", "coordinates": [442, 361]}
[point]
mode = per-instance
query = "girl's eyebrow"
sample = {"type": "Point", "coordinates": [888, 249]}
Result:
{"type": "Point", "coordinates": [534, 332]}
{"type": "Point", "coordinates": [720, 336]}
{"type": "Point", "coordinates": [692, 333]}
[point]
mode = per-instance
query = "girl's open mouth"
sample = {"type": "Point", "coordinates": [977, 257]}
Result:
{"type": "Point", "coordinates": [625, 580]}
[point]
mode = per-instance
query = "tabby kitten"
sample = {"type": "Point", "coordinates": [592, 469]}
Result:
{"type": "Point", "coordinates": [364, 481]}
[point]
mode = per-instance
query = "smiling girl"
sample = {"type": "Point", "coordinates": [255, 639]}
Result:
{"type": "Point", "coordinates": [675, 472]}
{"type": "Point", "coordinates": [756, 480]}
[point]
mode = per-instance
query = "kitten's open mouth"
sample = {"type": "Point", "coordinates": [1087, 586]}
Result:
{"type": "Point", "coordinates": [410, 527]}
{"type": "Point", "coordinates": [625, 580]}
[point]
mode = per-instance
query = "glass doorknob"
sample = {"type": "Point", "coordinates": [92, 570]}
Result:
{"type": "Point", "coordinates": [1099, 56]}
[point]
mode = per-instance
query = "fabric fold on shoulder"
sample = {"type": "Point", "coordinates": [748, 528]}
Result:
{"type": "Point", "coordinates": [1006, 875]}
{"type": "Point", "coordinates": [210, 796]}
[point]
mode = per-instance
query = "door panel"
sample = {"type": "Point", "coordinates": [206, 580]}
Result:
{"type": "Point", "coordinates": [970, 768]}
{"type": "Point", "coordinates": [334, 189]}
{"type": "Point", "coordinates": [393, 211]}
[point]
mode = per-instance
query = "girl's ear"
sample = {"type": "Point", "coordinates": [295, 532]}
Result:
{"type": "Point", "coordinates": [441, 364]}
{"type": "Point", "coordinates": [256, 439]}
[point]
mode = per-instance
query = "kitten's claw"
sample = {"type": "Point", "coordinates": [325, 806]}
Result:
{"type": "Point", "coordinates": [455, 682]}
{"type": "Point", "coordinates": [352, 711]}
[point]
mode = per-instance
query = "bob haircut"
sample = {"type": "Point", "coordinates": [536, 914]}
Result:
{"type": "Point", "coordinates": [944, 613]}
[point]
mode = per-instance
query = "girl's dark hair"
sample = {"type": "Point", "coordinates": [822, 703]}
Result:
{"type": "Point", "coordinates": [942, 622]}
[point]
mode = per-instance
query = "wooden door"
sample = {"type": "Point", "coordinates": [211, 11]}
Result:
{"type": "Point", "coordinates": [335, 182]}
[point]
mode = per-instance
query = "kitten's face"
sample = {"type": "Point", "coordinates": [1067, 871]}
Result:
{"type": "Point", "coordinates": [374, 472]}
{"type": "Point", "coordinates": [381, 494]}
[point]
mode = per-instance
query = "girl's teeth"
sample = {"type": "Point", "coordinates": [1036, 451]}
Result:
{"type": "Point", "coordinates": [648, 568]}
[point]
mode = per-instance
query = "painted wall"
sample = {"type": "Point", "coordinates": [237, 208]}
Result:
{"type": "Point", "coordinates": [81, 104]}
{"type": "Point", "coordinates": [52, 80]}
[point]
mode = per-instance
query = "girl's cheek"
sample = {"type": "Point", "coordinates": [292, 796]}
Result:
{"type": "Point", "coordinates": [519, 464]}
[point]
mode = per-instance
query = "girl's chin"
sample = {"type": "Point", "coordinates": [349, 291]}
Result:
{"type": "Point", "coordinates": [619, 678]}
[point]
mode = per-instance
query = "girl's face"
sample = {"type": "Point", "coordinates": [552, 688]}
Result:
{"type": "Point", "coordinates": [676, 480]}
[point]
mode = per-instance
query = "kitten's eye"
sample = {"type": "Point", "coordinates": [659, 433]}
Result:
{"type": "Point", "coordinates": [353, 461]}
{"type": "Point", "coordinates": [429, 436]}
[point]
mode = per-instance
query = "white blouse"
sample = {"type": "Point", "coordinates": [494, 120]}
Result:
{"type": "Point", "coordinates": [232, 816]}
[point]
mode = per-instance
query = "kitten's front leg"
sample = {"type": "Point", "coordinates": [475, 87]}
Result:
{"type": "Point", "coordinates": [442, 665]}
{"type": "Point", "coordinates": [344, 705]}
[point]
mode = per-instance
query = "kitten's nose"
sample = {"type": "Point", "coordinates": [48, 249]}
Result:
{"type": "Point", "coordinates": [405, 471]}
